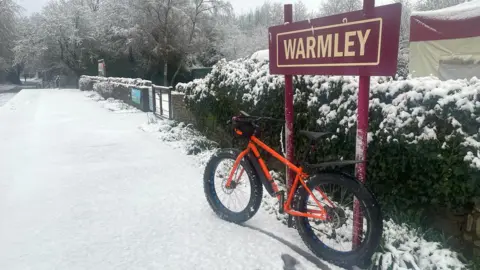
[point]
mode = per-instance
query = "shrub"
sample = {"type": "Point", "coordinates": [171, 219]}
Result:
{"type": "Point", "coordinates": [105, 89]}
{"type": "Point", "coordinates": [424, 144]}
{"type": "Point", "coordinates": [111, 87]}
{"type": "Point", "coordinates": [86, 83]}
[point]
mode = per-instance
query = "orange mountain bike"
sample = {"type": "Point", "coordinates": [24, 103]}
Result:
{"type": "Point", "coordinates": [320, 200]}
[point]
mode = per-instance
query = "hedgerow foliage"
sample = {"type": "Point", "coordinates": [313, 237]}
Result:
{"type": "Point", "coordinates": [424, 142]}
{"type": "Point", "coordinates": [112, 87]}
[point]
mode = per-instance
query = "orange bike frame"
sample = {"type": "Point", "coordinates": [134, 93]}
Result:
{"type": "Point", "coordinates": [299, 178]}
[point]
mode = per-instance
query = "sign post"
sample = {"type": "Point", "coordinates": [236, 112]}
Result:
{"type": "Point", "coordinates": [361, 144]}
{"type": "Point", "coordinates": [288, 18]}
{"type": "Point", "coordinates": [361, 43]}
{"type": "Point", "coordinates": [101, 68]}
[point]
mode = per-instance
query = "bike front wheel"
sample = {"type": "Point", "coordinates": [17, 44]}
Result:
{"type": "Point", "coordinates": [332, 239]}
{"type": "Point", "coordinates": [239, 202]}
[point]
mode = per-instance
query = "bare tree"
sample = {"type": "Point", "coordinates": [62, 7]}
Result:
{"type": "Point", "coordinates": [61, 38]}
{"type": "Point", "coordinates": [161, 21]}
{"type": "Point", "coordinates": [152, 35]}
{"type": "Point", "coordinates": [339, 6]}
{"type": "Point", "coordinates": [404, 41]}
{"type": "Point", "coordinates": [189, 46]}
{"type": "Point", "coordinates": [8, 18]}
{"type": "Point", "coordinates": [300, 11]}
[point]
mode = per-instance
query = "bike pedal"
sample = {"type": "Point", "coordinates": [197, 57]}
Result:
{"type": "Point", "coordinates": [281, 201]}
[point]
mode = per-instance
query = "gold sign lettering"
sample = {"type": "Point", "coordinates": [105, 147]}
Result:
{"type": "Point", "coordinates": [336, 53]}
{"type": "Point", "coordinates": [289, 48]}
{"type": "Point", "coordinates": [322, 46]}
{"type": "Point", "coordinates": [325, 45]}
{"type": "Point", "coordinates": [349, 43]}
{"type": "Point", "coordinates": [310, 47]}
{"type": "Point", "coordinates": [363, 40]}
{"type": "Point", "coordinates": [300, 49]}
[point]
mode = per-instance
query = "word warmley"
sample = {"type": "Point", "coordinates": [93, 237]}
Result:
{"type": "Point", "coordinates": [327, 45]}
{"type": "Point", "coordinates": [344, 44]}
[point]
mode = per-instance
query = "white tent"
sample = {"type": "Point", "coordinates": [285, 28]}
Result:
{"type": "Point", "coordinates": [446, 43]}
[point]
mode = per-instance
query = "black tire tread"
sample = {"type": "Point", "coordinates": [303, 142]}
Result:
{"type": "Point", "coordinates": [360, 256]}
{"type": "Point", "coordinates": [256, 194]}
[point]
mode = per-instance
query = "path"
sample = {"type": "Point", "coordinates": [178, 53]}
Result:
{"type": "Point", "coordinates": [8, 91]}
{"type": "Point", "coordinates": [85, 188]}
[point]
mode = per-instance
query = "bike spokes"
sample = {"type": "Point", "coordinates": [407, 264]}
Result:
{"type": "Point", "coordinates": [336, 230]}
{"type": "Point", "coordinates": [234, 197]}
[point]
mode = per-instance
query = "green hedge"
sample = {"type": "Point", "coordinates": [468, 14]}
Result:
{"type": "Point", "coordinates": [424, 143]}
{"type": "Point", "coordinates": [111, 87]}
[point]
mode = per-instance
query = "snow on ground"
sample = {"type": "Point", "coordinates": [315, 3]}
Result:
{"type": "Point", "coordinates": [7, 87]}
{"type": "Point", "coordinates": [84, 188]}
{"type": "Point", "coordinates": [34, 80]}
{"type": "Point", "coordinates": [112, 104]}
{"type": "Point", "coordinates": [5, 97]}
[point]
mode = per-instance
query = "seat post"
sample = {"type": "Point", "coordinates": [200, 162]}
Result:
{"type": "Point", "coordinates": [311, 148]}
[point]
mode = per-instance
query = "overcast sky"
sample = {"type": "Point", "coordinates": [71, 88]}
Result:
{"type": "Point", "coordinates": [240, 6]}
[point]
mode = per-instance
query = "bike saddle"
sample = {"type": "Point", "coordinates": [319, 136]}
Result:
{"type": "Point", "coordinates": [313, 135]}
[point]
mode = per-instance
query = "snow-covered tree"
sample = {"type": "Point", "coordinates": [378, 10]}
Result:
{"type": "Point", "coordinates": [404, 42]}
{"type": "Point", "coordinates": [68, 28]}
{"type": "Point", "coordinates": [151, 37]}
{"type": "Point", "coordinates": [60, 38]}
{"type": "Point", "coordinates": [247, 33]}
{"type": "Point", "coordinates": [191, 39]}
{"type": "Point", "coordinates": [8, 19]}
{"type": "Point", "coordinates": [339, 6]}
{"type": "Point", "coordinates": [300, 11]}
{"type": "Point", "coordinates": [115, 28]}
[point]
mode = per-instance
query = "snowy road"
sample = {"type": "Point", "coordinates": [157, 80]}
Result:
{"type": "Point", "coordinates": [5, 97]}
{"type": "Point", "coordinates": [85, 188]}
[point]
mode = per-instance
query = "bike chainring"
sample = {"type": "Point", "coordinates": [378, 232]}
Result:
{"type": "Point", "coordinates": [336, 216]}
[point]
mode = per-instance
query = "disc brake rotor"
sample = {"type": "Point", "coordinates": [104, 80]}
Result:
{"type": "Point", "coordinates": [228, 190]}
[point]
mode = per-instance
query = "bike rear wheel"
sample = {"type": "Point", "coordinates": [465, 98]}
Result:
{"type": "Point", "coordinates": [227, 203]}
{"type": "Point", "coordinates": [329, 239]}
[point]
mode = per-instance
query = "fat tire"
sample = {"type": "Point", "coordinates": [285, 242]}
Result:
{"type": "Point", "coordinates": [211, 195]}
{"type": "Point", "coordinates": [362, 254]}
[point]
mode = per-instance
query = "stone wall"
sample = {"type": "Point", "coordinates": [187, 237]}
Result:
{"type": "Point", "coordinates": [462, 230]}
{"type": "Point", "coordinates": [180, 112]}
{"type": "Point", "coordinates": [472, 231]}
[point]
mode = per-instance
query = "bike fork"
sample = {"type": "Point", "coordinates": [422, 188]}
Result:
{"type": "Point", "coordinates": [281, 201]}
{"type": "Point", "coordinates": [290, 222]}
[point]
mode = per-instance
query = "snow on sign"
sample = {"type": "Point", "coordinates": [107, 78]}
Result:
{"type": "Point", "coordinates": [344, 44]}
{"type": "Point", "coordinates": [101, 68]}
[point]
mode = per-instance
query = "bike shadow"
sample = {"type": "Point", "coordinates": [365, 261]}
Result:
{"type": "Point", "coordinates": [290, 263]}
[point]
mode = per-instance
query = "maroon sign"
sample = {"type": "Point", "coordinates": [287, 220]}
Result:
{"type": "Point", "coordinates": [344, 44]}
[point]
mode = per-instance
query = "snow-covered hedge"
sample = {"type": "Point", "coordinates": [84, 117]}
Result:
{"type": "Point", "coordinates": [87, 82]}
{"type": "Point", "coordinates": [112, 87]}
{"type": "Point", "coordinates": [424, 142]}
